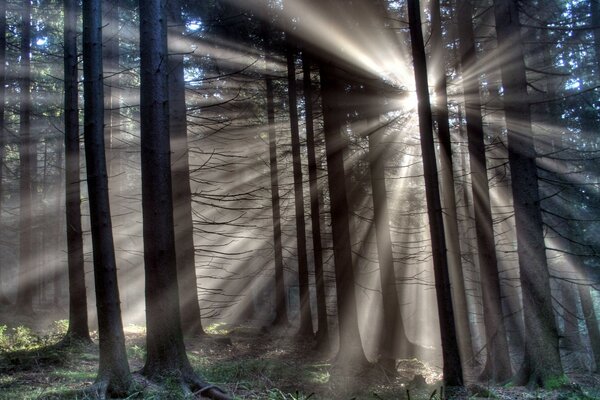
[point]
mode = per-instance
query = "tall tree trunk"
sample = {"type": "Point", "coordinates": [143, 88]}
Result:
{"type": "Point", "coordinates": [165, 349]}
{"type": "Point", "coordinates": [591, 322]}
{"type": "Point", "coordinates": [542, 364]}
{"type": "Point", "coordinates": [182, 195]}
{"type": "Point", "coordinates": [113, 372]}
{"type": "Point", "coordinates": [451, 356]}
{"type": "Point", "coordinates": [315, 213]}
{"type": "Point", "coordinates": [498, 365]}
{"type": "Point", "coordinates": [3, 299]}
{"type": "Point", "coordinates": [281, 317]}
{"type": "Point", "coordinates": [78, 316]}
{"type": "Point", "coordinates": [110, 40]}
{"type": "Point", "coordinates": [306, 328]}
{"type": "Point", "coordinates": [459, 296]}
{"type": "Point", "coordinates": [350, 350]}
{"type": "Point", "coordinates": [27, 278]}
{"type": "Point", "coordinates": [393, 340]}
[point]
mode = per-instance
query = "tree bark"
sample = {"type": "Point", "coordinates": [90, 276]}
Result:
{"type": "Point", "coordinates": [350, 350]}
{"type": "Point", "coordinates": [498, 366]}
{"type": "Point", "coordinates": [459, 296]}
{"type": "Point", "coordinates": [591, 322]}
{"type": "Point", "coordinates": [306, 328]}
{"type": "Point", "coordinates": [113, 372]}
{"type": "Point", "coordinates": [315, 213]}
{"type": "Point", "coordinates": [26, 285]}
{"type": "Point", "coordinates": [3, 299]}
{"type": "Point", "coordinates": [78, 316]}
{"type": "Point", "coordinates": [542, 364]}
{"type": "Point", "coordinates": [451, 356]}
{"type": "Point", "coordinates": [165, 350]}
{"type": "Point", "coordinates": [191, 321]}
{"type": "Point", "coordinates": [393, 340]}
{"type": "Point", "coordinates": [281, 317]}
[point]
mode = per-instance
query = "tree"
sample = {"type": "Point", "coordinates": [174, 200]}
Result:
{"type": "Point", "coordinates": [182, 196]}
{"type": "Point", "coordinates": [281, 317]}
{"type": "Point", "coordinates": [78, 317]}
{"type": "Point", "coordinates": [25, 290]}
{"type": "Point", "coordinates": [306, 328]}
{"type": "Point", "coordinates": [498, 366]}
{"type": "Point", "coordinates": [450, 353]}
{"type": "Point", "coordinates": [280, 307]}
{"type": "Point", "coordinates": [393, 331]}
{"type": "Point", "coordinates": [459, 296]}
{"type": "Point", "coordinates": [350, 349]}
{"type": "Point", "coordinates": [165, 350]}
{"type": "Point", "coordinates": [113, 372]}
{"type": "Point", "coordinates": [542, 364]}
{"type": "Point", "coordinates": [315, 214]}
{"type": "Point", "coordinates": [3, 299]}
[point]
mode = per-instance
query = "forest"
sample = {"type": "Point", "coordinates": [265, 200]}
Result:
{"type": "Point", "coordinates": [294, 199]}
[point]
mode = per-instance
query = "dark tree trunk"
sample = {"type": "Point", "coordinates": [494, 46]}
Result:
{"type": "Point", "coordinates": [451, 356]}
{"type": "Point", "coordinates": [459, 296]}
{"type": "Point", "coordinates": [27, 278]}
{"type": "Point", "coordinates": [191, 322]}
{"type": "Point", "coordinates": [542, 364]}
{"type": "Point", "coordinates": [113, 372]}
{"type": "Point", "coordinates": [281, 317]}
{"type": "Point", "coordinates": [306, 328]}
{"type": "Point", "coordinates": [315, 213]}
{"type": "Point", "coordinates": [3, 299]}
{"type": "Point", "coordinates": [166, 356]}
{"type": "Point", "coordinates": [110, 33]}
{"type": "Point", "coordinates": [498, 366]}
{"type": "Point", "coordinates": [350, 350]}
{"type": "Point", "coordinates": [78, 316]}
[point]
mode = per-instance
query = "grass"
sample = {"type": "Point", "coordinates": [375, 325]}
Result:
{"type": "Point", "coordinates": [252, 366]}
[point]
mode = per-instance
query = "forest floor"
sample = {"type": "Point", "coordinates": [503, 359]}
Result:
{"type": "Point", "coordinates": [249, 363]}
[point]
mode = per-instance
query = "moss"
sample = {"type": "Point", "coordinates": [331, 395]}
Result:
{"type": "Point", "coordinates": [556, 382]}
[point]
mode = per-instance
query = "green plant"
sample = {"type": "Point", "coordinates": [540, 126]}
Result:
{"type": "Point", "coordinates": [218, 328]}
{"type": "Point", "coordinates": [556, 382]}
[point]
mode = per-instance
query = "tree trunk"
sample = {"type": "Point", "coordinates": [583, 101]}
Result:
{"type": "Point", "coordinates": [451, 356]}
{"type": "Point", "coordinates": [26, 285]}
{"type": "Point", "coordinates": [393, 340]}
{"type": "Point", "coordinates": [315, 213]}
{"type": "Point", "coordinates": [350, 350]}
{"type": "Point", "coordinates": [591, 322]}
{"type": "Point", "coordinates": [3, 299]}
{"type": "Point", "coordinates": [281, 317]}
{"type": "Point", "coordinates": [166, 356]}
{"type": "Point", "coordinates": [182, 196]}
{"type": "Point", "coordinates": [306, 328]}
{"type": "Point", "coordinates": [498, 366]}
{"type": "Point", "coordinates": [110, 60]}
{"type": "Point", "coordinates": [113, 372]}
{"type": "Point", "coordinates": [78, 316]}
{"type": "Point", "coordinates": [542, 364]}
{"type": "Point", "coordinates": [459, 296]}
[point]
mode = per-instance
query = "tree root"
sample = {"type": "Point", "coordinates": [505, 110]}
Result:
{"type": "Point", "coordinates": [189, 384]}
{"type": "Point", "coordinates": [200, 387]}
